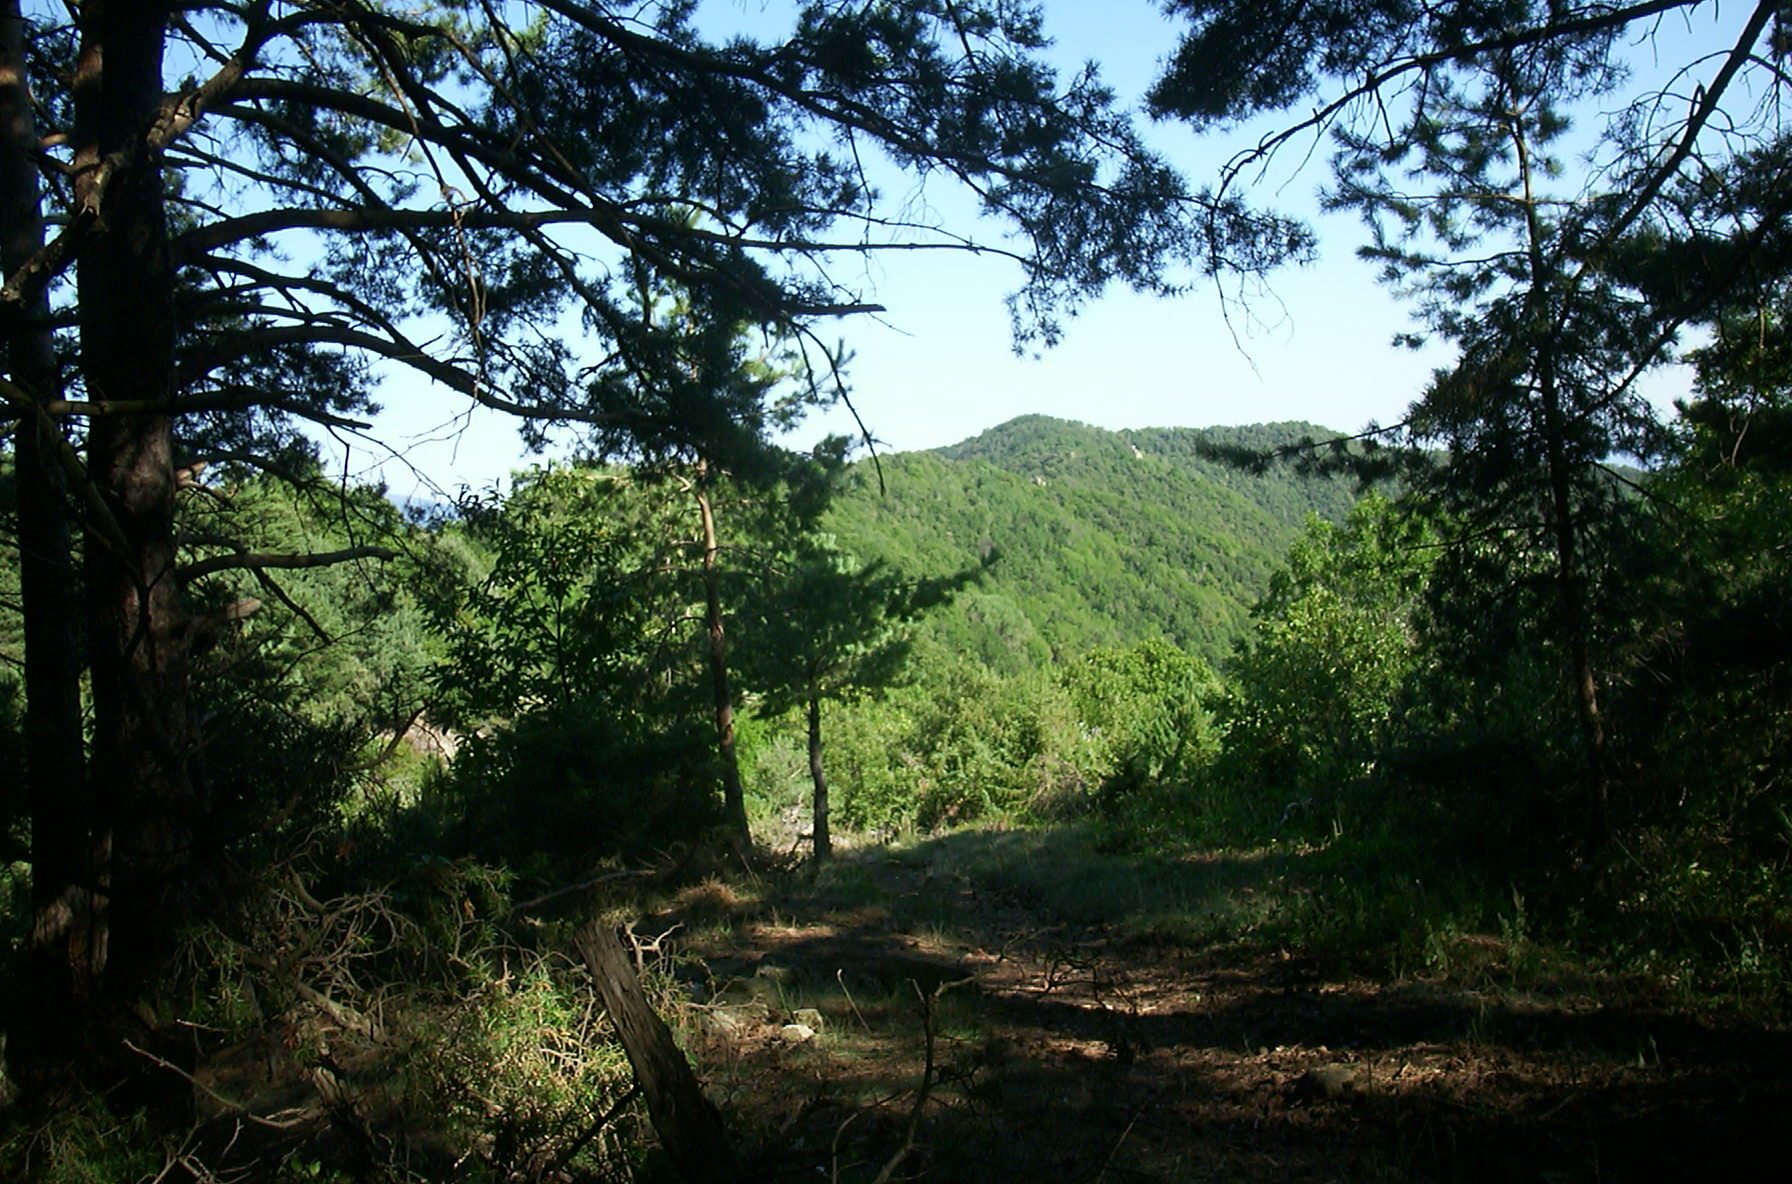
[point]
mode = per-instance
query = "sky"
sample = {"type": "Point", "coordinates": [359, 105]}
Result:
{"type": "Point", "coordinates": [938, 366]}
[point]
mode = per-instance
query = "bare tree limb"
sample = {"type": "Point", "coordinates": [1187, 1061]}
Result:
{"type": "Point", "coordinates": [234, 1107]}
{"type": "Point", "coordinates": [929, 1022]}
{"type": "Point", "coordinates": [255, 560]}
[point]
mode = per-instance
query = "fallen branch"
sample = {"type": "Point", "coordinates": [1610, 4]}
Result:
{"type": "Point", "coordinates": [300, 1117]}
{"type": "Point", "coordinates": [557, 893]}
{"type": "Point", "coordinates": [928, 1075]}
{"type": "Point", "coordinates": [343, 1016]}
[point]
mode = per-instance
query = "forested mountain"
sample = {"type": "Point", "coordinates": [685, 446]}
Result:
{"type": "Point", "coordinates": [1102, 537]}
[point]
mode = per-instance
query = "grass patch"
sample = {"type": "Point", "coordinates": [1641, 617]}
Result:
{"type": "Point", "coordinates": [1077, 874]}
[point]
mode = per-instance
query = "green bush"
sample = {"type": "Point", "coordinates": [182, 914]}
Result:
{"type": "Point", "coordinates": [1314, 691]}
{"type": "Point", "coordinates": [1146, 711]}
{"type": "Point", "coordinates": [558, 791]}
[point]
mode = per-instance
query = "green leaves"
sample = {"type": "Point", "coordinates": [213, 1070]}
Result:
{"type": "Point", "coordinates": [821, 623]}
{"type": "Point", "coordinates": [1556, 286]}
{"type": "Point", "coordinates": [1312, 691]}
{"type": "Point", "coordinates": [1146, 708]}
{"type": "Point", "coordinates": [575, 599]}
{"type": "Point", "coordinates": [1106, 538]}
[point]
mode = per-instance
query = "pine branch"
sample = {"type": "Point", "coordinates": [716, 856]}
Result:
{"type": "Point", "coordinates": [256, 560]}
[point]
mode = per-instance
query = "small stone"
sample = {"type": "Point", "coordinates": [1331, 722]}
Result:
{"type": "Point", "coordinates": [808, 1017]}
{"type": "Point", "coordinates": [774, 972]}
{"type": "Point", "coordinates": [797, 1033]}
{"type": "Point", "coordinates": [764, 991]}
{"type": "Point", "coordinates": [1328, 1082]}
{"type": "Point", "coordinates": [723, 1022]}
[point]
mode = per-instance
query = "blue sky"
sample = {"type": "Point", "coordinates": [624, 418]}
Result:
{"type": "Point", "coordinates": [939, 365]}
{"type": "Point", "coordinates": [1313, 346]}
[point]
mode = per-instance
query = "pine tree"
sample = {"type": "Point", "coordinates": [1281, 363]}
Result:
{"type": "Point", "coordinates": [260, 203]}
{"type": "Point", "coordinates": [1451, 123]}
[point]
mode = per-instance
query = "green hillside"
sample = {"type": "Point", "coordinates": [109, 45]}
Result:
{"type": "Point", "coordinates": [1104, 537]}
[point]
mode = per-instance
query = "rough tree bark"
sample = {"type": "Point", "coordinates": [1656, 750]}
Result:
{"type": "Point", "coordinates": [824, 842]}
{"type": "Point", "coordinates": [688, 1124]}
{"type": "Point", "coordinates": [734, 799]}
{"type": "Point", "coordinates": [142, 729]}
{"type": "Point", "coordinates": [1559, 514]}
{"type": "Point", "coordinates": [55, 787]}
{"type": "Point", "coordinates": [1571, 600]}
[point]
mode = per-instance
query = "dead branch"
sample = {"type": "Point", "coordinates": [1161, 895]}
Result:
{"type": "Point", "coordinates": [641, 946]}
{"type": "Point", "coordinates": [840, 977]}
{"type": "Point", "coordinates": [304, 897]}
{"type": "Point", "coordinates": [591, 1132]}
{"type": "Point", "coordinates": [929, 1074]}
{"type": "Point", "coordinates": [257, 560]}
{"type": "Point", "coordinates": [1107, 1161]}
{"type": "Point", "coordinates": [300, 1117]}
{"type": "Point", "coordinates": [688, 1124]}
{"type": "Point", "coordinates": [557, 893]}
{"type": "Point", "coordinates": [385, 753]}
{"type": "Point", "coordinates": [342, 1015]}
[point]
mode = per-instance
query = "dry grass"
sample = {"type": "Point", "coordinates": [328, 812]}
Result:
{"type": "Point", "coordinates": [1101, 1049]}
{"type": "Point", "coordinates": [710, 901]}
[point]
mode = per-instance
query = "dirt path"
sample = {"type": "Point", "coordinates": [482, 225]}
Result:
{"type": "Point", "coordinates": [1060, 1052]}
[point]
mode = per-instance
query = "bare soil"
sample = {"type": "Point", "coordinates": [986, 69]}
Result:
{"type": "Point", "coordinates": [966, 1035]}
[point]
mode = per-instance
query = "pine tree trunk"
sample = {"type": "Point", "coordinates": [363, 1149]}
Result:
{"type": "Point", "coordinates": [1558, 513]}
{"type": "Point", "coordinates": [1571, 603]}
{"type": "Point", "coordinates": [734, 799]}
{"type": "Point", "coordinates": [824, 843]}
{"type": "Point", "coordinates": [142, 722]}
{"type": "Point", "coordinates": [55, 790]}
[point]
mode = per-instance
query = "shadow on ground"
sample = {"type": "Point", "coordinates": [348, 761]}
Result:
{"type": "Point", "coordinates": [1074, 1036]}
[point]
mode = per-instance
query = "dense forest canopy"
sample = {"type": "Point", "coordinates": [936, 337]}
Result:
{"type": "Point", "coordinates": [1105, 538]}
{"type": "Point", "coordinates": [288, 770]}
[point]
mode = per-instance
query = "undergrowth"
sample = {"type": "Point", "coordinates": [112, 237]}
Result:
{"type": "Point", "coordinates": [1688, 924]}
{"type": "Point", "coordinates": [406, 1031]}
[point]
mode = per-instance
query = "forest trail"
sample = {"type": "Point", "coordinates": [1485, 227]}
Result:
{"type": "Point", "coordinates": [1077, 1052]}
